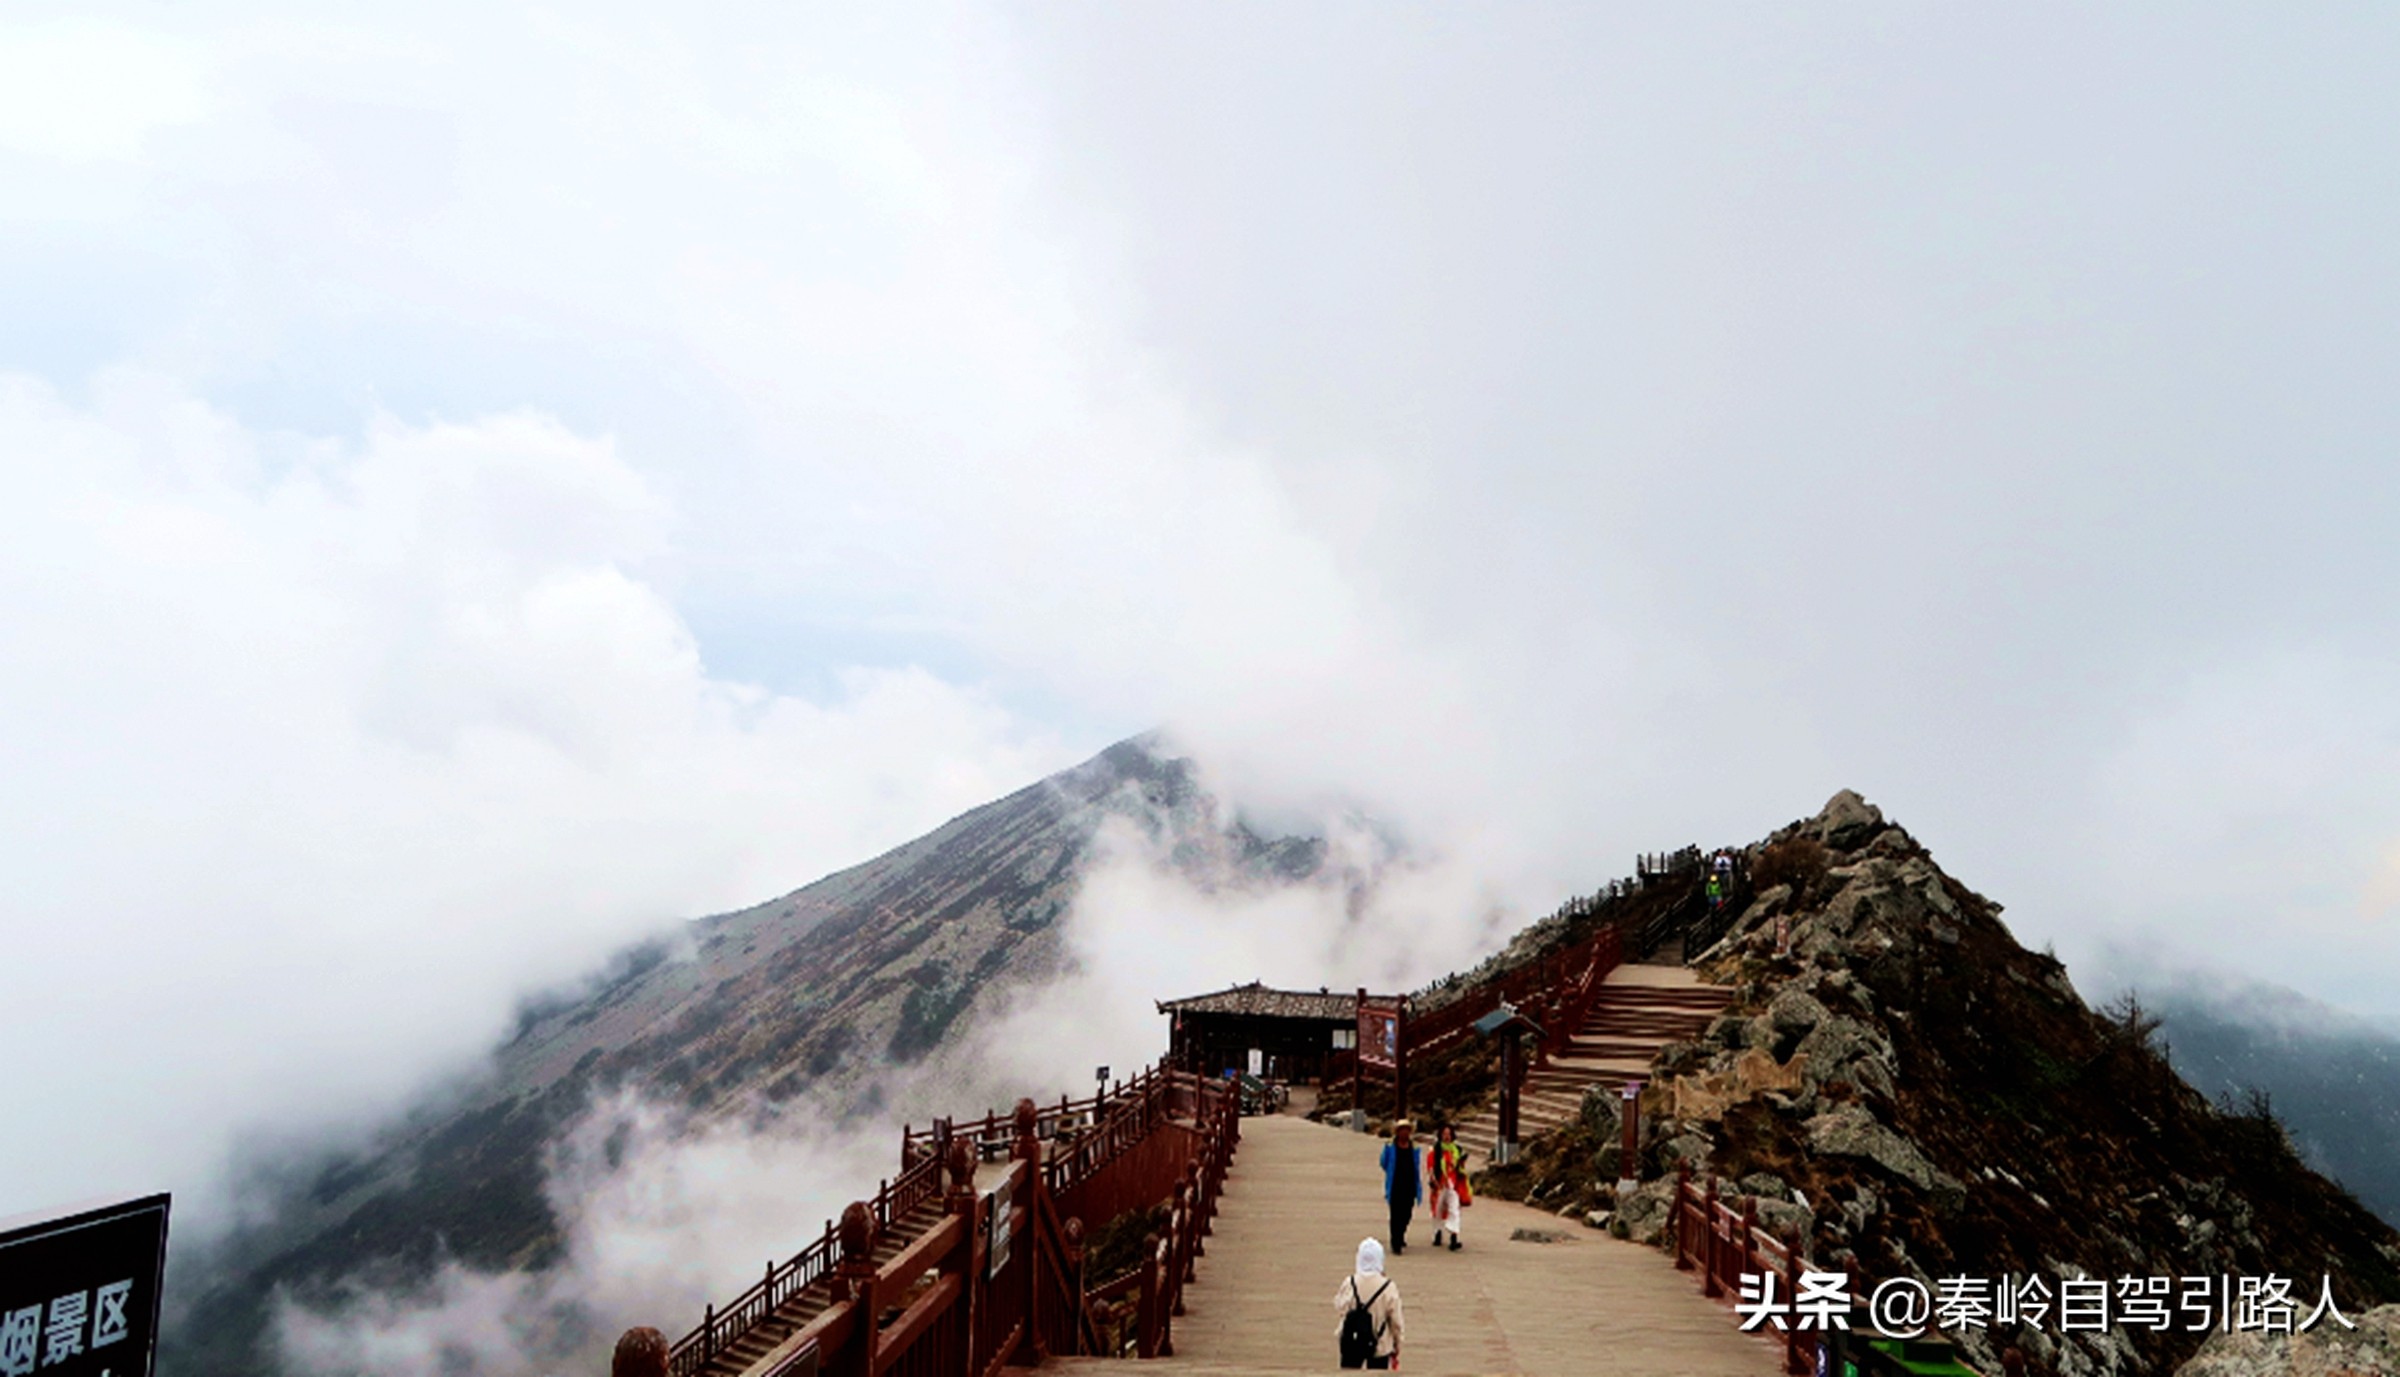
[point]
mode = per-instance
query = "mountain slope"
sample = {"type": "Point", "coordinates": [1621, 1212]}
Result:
{"type": "Point", "coordinates": [2333, 1081]}
{"type": "Point", "coordinates": [831, 988]}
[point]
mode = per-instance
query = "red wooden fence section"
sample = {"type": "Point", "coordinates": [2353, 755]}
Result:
{"type": "Point", "coordinates": [994, 1277]}
{"type": "Point", "coordinates": [1723, 1243]}
{"type": "Point", "coordinates": [1555, 991]}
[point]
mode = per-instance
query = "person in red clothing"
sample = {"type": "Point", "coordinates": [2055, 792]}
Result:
{"type": "Point", "coordinates": [1446, 1184]}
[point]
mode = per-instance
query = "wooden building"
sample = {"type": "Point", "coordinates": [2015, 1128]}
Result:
{"type": "Point", "coordinates": [1286, 1034]}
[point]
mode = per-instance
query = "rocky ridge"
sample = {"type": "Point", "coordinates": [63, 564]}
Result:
{"type": "Point", "coordinates": [1905, 1085]}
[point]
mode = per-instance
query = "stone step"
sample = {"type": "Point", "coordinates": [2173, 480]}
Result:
{"type": "Point", "coordinates": [1603, 1019]}
{"type": "Point", "coordinates": [1654, 1033]}
{"type": "Point", "coordinates": [1611, 1049]}
{"type": "Point", "coordinates": [1635, 997]}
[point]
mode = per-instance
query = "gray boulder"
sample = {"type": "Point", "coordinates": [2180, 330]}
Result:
{"type": "Point", "coordinates": [1601, 1114]}
{"type": "Point", "coordinates": [1641, 1213]}
{"type": "Point", "coordinates": [1783, 1216]}
{"type": "Point", "coordinates": [1683, 1148]}
{"type": "Point", "coordinates": [1845, 1049]}
{"type": "Point", "coordinates": [1851, 1131]}
{"type": "Point", "coordinates": [1795, 1013]}
{"type": "Point", "coordinates": [1765, 1183]}
{"type": "Point", "coordinates": [1846, 821]}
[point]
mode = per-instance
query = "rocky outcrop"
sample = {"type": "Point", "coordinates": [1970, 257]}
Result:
{"type": "Point", "coordinates": [1903, 1082]}
{"type": "Point", "coordinates": [2325, 1351]}
{"type": "Point", "coordinates": [1642, 1212]}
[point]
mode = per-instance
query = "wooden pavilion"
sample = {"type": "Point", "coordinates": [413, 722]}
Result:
{"type": "Point", "coordinates": [1285, 1034]}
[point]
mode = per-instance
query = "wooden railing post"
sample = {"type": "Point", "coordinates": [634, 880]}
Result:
{"type": "Point", "coordinates": [1191, 1189]}
{"type": "Point", "coordinates": [1029, 1152]}
{"type": "Point", "coordinates": [1709, 1271]}
{"type": "Point", "coordinates": [1794, 1359]}
{"type": "Point", "coordinates": [640, 1352]}
{"type": "Point", "coordinates": [961, 1201]}
{"type": "Point", "coordinates": [1629, 1137]}
{"type": "Point", "coordinates": [1179, 1246]}
{"type": "Point", "coordinates": [854, 1285]}
{"type": "Point", "coordinates": [1078, 1309]}
{"type": "Point", "coordinates": [1152, 1319]}
{"type": "Point", "coordinates": [1358, 1067]}
{"type": "Point", "coordinates": [1680, 1215]}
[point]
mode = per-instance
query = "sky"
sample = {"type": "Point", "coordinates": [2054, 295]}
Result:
{"type": "Point", "coordinates": [480, 483]}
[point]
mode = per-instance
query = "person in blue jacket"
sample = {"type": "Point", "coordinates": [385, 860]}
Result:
{"type": "Point", "coordinates": [1403, 1188]}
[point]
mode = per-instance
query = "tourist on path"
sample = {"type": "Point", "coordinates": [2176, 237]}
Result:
{"type": "Point", "coordinates": [1370, 1289]}
{"type": "Point", "coordinates": [1446, 1177]}
{"type": "Point", "coordinates": [1403, 1187]}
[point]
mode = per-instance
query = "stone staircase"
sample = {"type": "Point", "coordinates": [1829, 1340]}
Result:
{"type": "Point", "coordinates": [1640, 1008]}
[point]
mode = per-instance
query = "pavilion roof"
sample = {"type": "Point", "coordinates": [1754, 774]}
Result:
{"type": "Point", "coordinates": [1255, 998]}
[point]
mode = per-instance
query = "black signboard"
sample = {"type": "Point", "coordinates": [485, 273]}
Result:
{"type": "Point", "coordinates": [1003, 1227]}
{"type": "Point", "coordinates": [79, 1293]}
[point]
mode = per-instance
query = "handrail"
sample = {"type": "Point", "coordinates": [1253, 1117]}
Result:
{"type": "Point", "coordinates": [1706, 926]}
{"type": "Point", "coordinates": [1171, 1262]}
{"type": "Point", "coordinates": [1723, 1243]}
{"type": "Point", "coordinates": [1070, 1115]}
{"type": "Point", "coordinates": [1570, 975]}
{"type": "Point", "coordinates": [1574, 973]}
{"type": "Point", "coordinates": [1041, 1301]}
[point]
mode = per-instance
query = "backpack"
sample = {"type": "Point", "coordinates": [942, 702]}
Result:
{"type": "Point", "coordinates": [1359, 1335]}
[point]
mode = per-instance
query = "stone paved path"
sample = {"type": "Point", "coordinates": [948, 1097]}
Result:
{"type": "Point", "coordinates": [1302, 1195]}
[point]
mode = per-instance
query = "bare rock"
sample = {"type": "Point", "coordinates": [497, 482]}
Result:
{"type": "Point", "coordinates": [1846, 821]}
{"type": "Point", "coordinates": [1845, 1049]}
{"type": "Point", "coordinates": [1783, 1216]}
{"type": "Point", "coordinates": [1795, 1013]}
{"type": "Point", "coordinates": [2326, 1351]}
{"type": "Point", "coordinates": [1764, 1183]}
{"type": "Point", "coordinates": [1642, 1212]}
{"type": "Point", "coordinates": [1726, 1031]}
{"type": "Point", "coordinates": [1601, 1113]}
{"type": "Point", "coordinates": [1685, 1148]}
{"type": "Point", "coordinates": [1851, 1131]}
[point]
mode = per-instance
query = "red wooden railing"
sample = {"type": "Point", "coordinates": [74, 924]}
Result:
{"type": "Point", "coordinates": [1723, 1243]}
{"type": "Point", "coordinates": [1554, 990]}
{"type": "Point", "coordinates": [1171, 1260]}
{"type": "Point", "coordinates": [1162, 1136]}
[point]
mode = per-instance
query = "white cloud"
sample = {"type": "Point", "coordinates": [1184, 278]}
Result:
{"type": "Point", "coordinates": [2246, 820]}
{"type": "Point", "coordinates": [659, 1217]}
{"type": "Point", "coordinates": [86, 90]}
{"type": "Point", "coordinates": [1592, 432]}
{"type": "Point", "coordinates": [1157, 918]}
{"type": "Point", "coordinates": [319, 757]}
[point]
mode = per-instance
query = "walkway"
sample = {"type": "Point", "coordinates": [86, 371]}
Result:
{"type": "Point", "coordinates": [1300, 1197]}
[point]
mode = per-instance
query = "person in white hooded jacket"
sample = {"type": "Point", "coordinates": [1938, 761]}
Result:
{"type": "Point", "coordinates": [1368, 1286]}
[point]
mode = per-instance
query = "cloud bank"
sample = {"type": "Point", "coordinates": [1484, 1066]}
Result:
{"type": "Point", "coordinates": [342, 748]}
{"type": "Point", "coordinates": [476, 487]}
